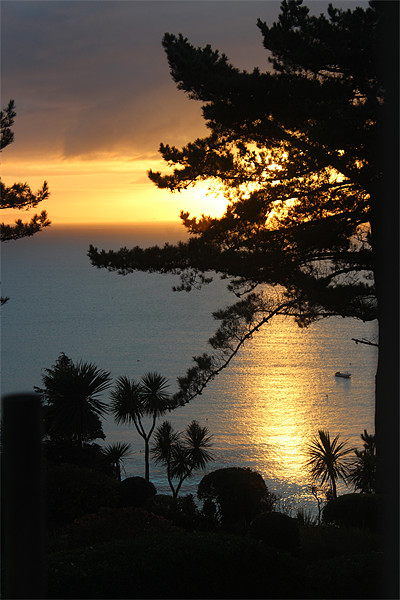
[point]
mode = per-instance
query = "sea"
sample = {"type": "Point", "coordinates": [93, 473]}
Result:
{"type": "Point", "coordinates": [262, 410]}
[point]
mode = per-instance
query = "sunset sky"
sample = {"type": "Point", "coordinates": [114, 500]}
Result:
{"type": "Point", "coordinates": [94, 98]}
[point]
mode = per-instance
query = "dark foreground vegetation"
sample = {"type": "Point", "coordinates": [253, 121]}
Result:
{"type": "Point", "coordinates": [113, 537]}
{"type": "Point", "coordinates": [135, 543]}
{"type": "Point", "coordinates": [320, 131]}
{"type": "Point", "coordinates": [162, 563]}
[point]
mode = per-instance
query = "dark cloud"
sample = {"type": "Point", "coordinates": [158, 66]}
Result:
{"type": "Point", "coordinates": [91, 77]}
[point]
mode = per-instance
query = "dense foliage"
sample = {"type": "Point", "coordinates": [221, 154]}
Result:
{"type": "Point", "coordinates": [307, 155]}
{"type": "Point", "coordinates": [277, 530]}
{"type": "Point", "coordinates": [181, 453]}
{"type": "Point", "coordinates": [115, 454]}
{"type": "Point", "coordinates": [115, 554]}
{"type": "Point", "coordinates": [363, 469]}
{"type": "Point", "coordinates": [328, 460]}
{"type": "Point", "coordinates": [296, 151]}
{"type": "Point", "coordinates": [103, 545]}
{"type": "Point", "coordinates": [71, 404]}
{"type": "Point", "coordinates": [73, 491]}
{"type": "Point", "coordinates": [181, 511]}
{"type": "Point", "coordinates": [19, 195]}
{"type": "Point", "coordinates": [238, 493]}
{"type": "Point", "coordinates": [354, 510]}
{"type": "Point", "coordinates": [89, 454]}
{"type": "Point", "coordinates": [132, 400]}
{"type": "Point", "coordinates": [177, 564]}
{"type": "Point", "coordinates": [134, 491]}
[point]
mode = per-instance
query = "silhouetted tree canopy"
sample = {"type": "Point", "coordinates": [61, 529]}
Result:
{"type": "Point", "coordinates": [363, 469]}
{"type": "Point", "coordinates": [307, 156]}
{"type": "Point", "coordinates": [181, 453]}
{"type": "Point", "coordinates": [132, 400]}
{"type": "Point", "coordinates": [19, 195]}
{"type": "Point", "coordinates": [71, 404]}
{"type": "Point", "coordinates": [239, 493]}
{"type": "Point", "coordinates": [295, 150]}
{"type": "Point", "coordinates": [328, 460]}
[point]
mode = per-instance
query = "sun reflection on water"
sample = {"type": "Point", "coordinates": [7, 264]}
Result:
{"type": "Point", "coordinates": [283, 390]}
{"type": "Point", "coordinates": [269, 403]}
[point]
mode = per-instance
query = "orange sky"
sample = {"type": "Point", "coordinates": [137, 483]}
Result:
{"type": "Point", "coordinates": [106, 191]}
{"type": "Point", "coordinates": [94, 99]}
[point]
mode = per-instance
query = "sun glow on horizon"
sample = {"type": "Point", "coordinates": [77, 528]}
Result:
{"type": "Point", "coordinates": [114, 190]}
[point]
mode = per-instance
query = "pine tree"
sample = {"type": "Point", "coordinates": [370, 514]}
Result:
{"type": "Point", "coordinates": [19, 195]}
{"type": "Point", "coordinates": [307, 155]}
{"type": "Point", "coordinates": [296, 151]}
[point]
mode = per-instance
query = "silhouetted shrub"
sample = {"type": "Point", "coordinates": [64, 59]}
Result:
{"type": "Point", "coordinates": [134, 491]}
{"type": "Point", "coordinates": [325, 542]}
{"type": "Point", "coordinates": [187, 513]}
{"type": "Point", "coordinates": [305, 518]}
{"type": "Point", "coordinates": [160, 504]}
{"type": "Point", "coordinates": [74, 491]}
{"type": "Point", "coordinates": [182, 511]}
{"type": "Point", "coordinates": [88, 455]}
{"type": "Point", "coordinates": [239, 493]}
{"type": "Point", "coordinates": [347, 576]}
{"type": "Point", "coordinates": [209, 516]}
{"type": "Point", "coordinates": [353, 510]}
{"type": "Point", "coordinates": [109, 524]}
{"type": "Point", "coordinates": [277, 530]}
{"type": "Point", "coordinates": [176, 564]}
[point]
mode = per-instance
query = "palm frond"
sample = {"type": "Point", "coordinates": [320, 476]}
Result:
{"type": "Point", "coordinates": [126, 405]}
{"type": "Point", "coordinates": [116, 452]}
{"type": "Point", "coordinates": [155, 399]}
{"type": "Point", "coordinates": [164, 440]}
{"type": "Point", "coordinates": [328, 458]}
{"type": "Point", "coordinates": [197, 440]}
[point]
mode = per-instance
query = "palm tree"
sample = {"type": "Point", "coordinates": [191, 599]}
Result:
{"type": "Point", "coordinates": [115, 454]}
{"type": "Point", "coordinates": [155, 399]}
{"type": "Point", "coordinates": [197, 440]}
{"type": "Point", "coordinates": [327, 460]}
{"type": "Point", "coordinates": [363, 468]}
{"type": "Point", "coordinates": [126, 402]}
{"type": "Point", "coordinates": [181, 453]}
{"type": "Point", "coordinates": [72, 408]}
{"type": "Point", "coordinates": [131, 401]}
{"type": "Point", "coordinates": [164, 447]}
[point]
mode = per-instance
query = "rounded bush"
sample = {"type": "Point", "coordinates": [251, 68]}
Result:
{"type": "Point", "coordinates": [353, 510]}
{"type": "Point", "coordinates": [277, 530]}
{"type": "Point", "coordinates": [134, 491]}
{"type": "Point", "coordinates": [239, 493]}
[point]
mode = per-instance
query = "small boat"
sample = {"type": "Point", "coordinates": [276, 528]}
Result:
{"type": "Point", "coordinates": [344, 374]}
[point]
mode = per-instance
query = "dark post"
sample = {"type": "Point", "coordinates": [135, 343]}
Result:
{"type": "Point", "coordinates": [387, 285]}
{"type": "Point", "coordinates": [23, 498]}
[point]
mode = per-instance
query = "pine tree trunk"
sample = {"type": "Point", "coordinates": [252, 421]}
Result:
{"type": "Point", "coordinates": [386, 256]}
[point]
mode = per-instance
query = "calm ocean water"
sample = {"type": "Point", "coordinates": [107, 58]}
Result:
{"type": "Point", "coordinates": [261, 410]}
